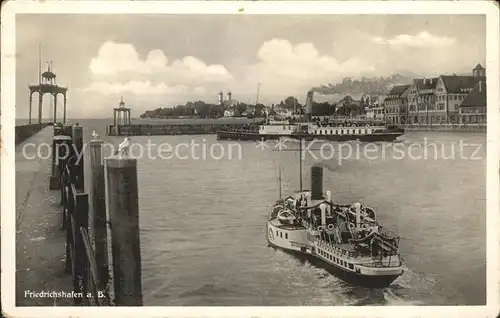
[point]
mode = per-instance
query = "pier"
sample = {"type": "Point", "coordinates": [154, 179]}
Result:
{"type": "Point", "coordinates": [447, 127]}
{"type": "Point", "coordinates": [77, 223]}
{"type": "Point", "coordinates": [23, 132]}
{"type": "Point", "coordinates": [122, 125]}
{"type": "Point", "coordinates": [171, 129]}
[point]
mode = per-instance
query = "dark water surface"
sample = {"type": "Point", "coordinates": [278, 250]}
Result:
{"type": "Point", "coordinates": [203, 222]}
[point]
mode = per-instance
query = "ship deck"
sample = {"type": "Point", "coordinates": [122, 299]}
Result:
{"type": "Point", "coordinates": [289, 227]}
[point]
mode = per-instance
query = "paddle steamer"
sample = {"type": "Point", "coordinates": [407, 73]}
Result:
{"type": "Point", "coordinates": [309, 128]}
{"type": "Point", "coordinates": [347, 239]}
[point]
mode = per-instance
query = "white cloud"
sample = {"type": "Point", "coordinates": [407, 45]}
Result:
{"type": "Point", "coordinates": [200, 90]}
{"type": "Point", "coordinates": [282, 68]}
{"type": "Point", "coordinates": [136, 87]}
{"type": "Point", "coordinates": [120, 62]}
{"type": "Point", "coordinates": [285, 68]}
{"type": "Point", "coordinates": [421, 39]}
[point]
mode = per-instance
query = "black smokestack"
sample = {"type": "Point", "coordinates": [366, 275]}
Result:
{"type": "Point", "coordinates": [317, 183]}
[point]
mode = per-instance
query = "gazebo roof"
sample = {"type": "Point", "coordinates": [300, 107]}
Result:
{"type": "Point", "coordinates": [48, 75]}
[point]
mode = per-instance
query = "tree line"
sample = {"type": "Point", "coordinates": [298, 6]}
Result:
{"type": "Point", "coordinates": [346, 106]}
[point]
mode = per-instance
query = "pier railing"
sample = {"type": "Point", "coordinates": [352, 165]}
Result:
{"type": "Point", "coordinates": [86, 223]}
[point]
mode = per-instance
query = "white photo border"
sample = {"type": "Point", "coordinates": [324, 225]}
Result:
{"type": "Point", "coordinates": [8, 87]}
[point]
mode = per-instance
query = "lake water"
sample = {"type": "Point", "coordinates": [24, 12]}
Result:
{"type": "Point", "coordinates": [203, 222]}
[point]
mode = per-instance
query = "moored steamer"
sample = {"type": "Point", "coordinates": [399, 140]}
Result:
{"type": "Point", "coordinates": [309, 128]}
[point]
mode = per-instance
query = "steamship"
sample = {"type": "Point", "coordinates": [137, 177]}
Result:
{"type": "Point", "coordinates": [307, 128]}
{"type": "Point", "coordinates": [347, 239]}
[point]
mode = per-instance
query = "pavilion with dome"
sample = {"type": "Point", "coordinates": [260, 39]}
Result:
{"type": "Point", "coordinates": [47, 85]}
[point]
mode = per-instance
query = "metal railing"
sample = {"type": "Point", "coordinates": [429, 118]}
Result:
{"type": "Point", "coordinates": [80, 256]}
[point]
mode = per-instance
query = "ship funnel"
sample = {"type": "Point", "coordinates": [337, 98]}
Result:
{"type": "Point", "coordinates": [357, 206]}
{"type": "Point", "coordinates": [317, 183]}
{"type": "Point", "coordinates": [308, 203]}
{"type": "Point", "coordinates": [323, 213]}
{"type": "Point", "coordinates": [309, 100]}
{"type": "Point", "coordinates": [329, 196]}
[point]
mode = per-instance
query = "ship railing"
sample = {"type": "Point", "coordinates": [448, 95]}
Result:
{"type": "Point", "coordinates": [352, 254]}
{"type": "Point", "coordinates": [395, 262]}
{"type": "Point", "coordinates": [386, 233]}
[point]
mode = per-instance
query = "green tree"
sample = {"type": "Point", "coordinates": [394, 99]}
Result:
{"type": "Point", "coordinates": [290, 102]}
{"type": "Point", "coordinates": [240, 108]}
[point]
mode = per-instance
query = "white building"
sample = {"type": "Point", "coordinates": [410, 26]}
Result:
{"type": "Point", "coordinates": [229, 113]}
{"type": "Point", "coordinates": [377, 112]}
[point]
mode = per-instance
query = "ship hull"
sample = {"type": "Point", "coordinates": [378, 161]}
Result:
{"type": "Point", "coordinates": [251, 136]}
{"type": "Point", "coordinates": [366, 281]}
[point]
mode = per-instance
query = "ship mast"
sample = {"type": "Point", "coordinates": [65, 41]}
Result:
{"type": "Point", "coordinates": [39, 64]}
{"type": "Point", "coordinates": [279, 182]}
{"type": "Point", "coordinates": [300, 163]}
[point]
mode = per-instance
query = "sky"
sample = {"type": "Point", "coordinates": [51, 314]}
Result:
{"type": "Point", "coordinates": [164, 60]}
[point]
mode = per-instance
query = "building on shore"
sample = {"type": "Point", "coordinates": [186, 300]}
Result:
{"type": "Point", "coordinates": [421, 100]}
{"type": "Point", "coordinates": [395, 105]}
{"type": "Point", "coordinates": [452, 90]}
{"type": "Point", "coordinates": [436, 100]}
{"type": "Point", "coordinates": [473, 108]}
{"type": "Point", "coordinates": [378, 111]}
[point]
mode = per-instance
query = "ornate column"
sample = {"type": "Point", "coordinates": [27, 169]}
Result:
{"type": "Point", "coordinates": [40, 100]}
{"type": "Point", "coordinates": [55, 108]}
{"type": "Point", "coordinates": [64, 111]}
{"type": "Point", "coordinates": [114, 119]}
{"type": "Point", "coordinates": [129, 120]}
{"type": "Point", "coordinates": [31, 100]}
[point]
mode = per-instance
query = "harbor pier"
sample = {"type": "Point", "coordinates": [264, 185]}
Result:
{"type": "Point", "coordinates": [171, 129]}
{"type": "Point", "coordinates": [64, 238]}
{"type": "Point", "coordinates": [23, 132]}
{"type": "Point", "coordinates": [447, 127]}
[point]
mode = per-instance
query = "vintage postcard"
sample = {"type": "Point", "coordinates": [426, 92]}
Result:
{"type": "Point", "coordinates": [250, 159]}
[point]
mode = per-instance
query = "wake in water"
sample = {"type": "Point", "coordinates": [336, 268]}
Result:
{"type": "Point", "coordinates": [403, 292]}
{"type": "Point", "coordinates": [406, 286]}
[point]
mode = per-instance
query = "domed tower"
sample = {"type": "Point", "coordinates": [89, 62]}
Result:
{"type": "Point", "coordinates": [479, 71]}
{"type": "Point", "coordinates": [221, 98]}
{"type": "Point", "coordinates": [47, 85]}
{"type": "Point", "coordinates": [121, 116]}
{"type": "Point", "coordinates": [48, 77]}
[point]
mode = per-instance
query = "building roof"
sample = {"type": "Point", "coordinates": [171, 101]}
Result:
{"type": "Point", "coordinates": [48, 75]}
{"type": "Point", "coordinates": [426, 83]}
{"type": "Point", "coordinates": [397, 90]}
{"type": "Point", "coordinates": [479, 67]}
{"type": "Point", "coordinates": [476, 97]}
{"type": "Point", "coordinates": [455, 83]}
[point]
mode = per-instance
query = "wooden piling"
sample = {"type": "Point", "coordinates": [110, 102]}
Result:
{"type": "Point", "coordinates": [81, 263]}
{"type": "Point", "coordinates": [67, 130]}
{"type": "Point", "coordinates": [97, 221]}
{"type": "Point", "coordinates": [65, 150]}
{"type": "Point", "coordinates": [124, 217]}
{"type": "Point", "coordinates": [77, 135]}
{"type": "Point", "coordinates": [57, 130]}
